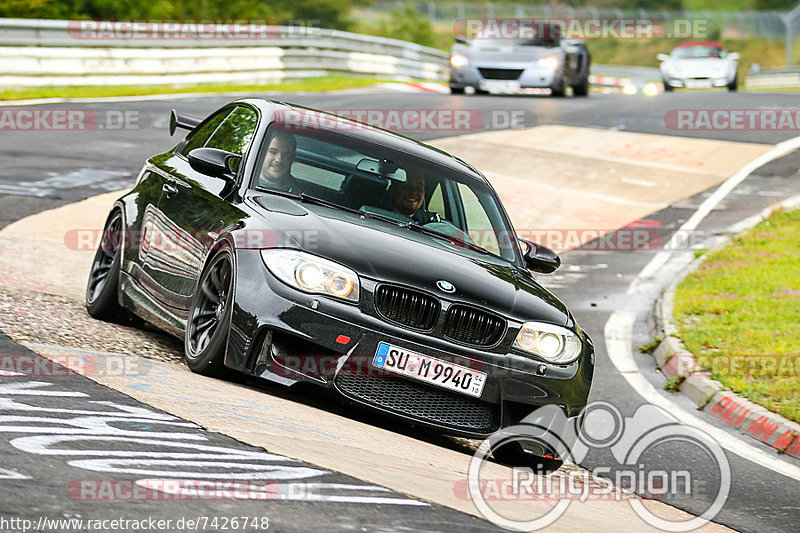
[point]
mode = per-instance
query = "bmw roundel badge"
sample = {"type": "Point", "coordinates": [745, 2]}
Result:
{"type": "Point", "coordinates": [445, 286]}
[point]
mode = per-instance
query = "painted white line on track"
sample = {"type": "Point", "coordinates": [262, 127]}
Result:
{"type": "Point", "coordinates": [666, 264]}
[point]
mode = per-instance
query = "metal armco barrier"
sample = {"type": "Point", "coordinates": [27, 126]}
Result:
{"type": "Point", "coordinates": [773, 78]}
{"type": "Point", "coordinates": [54, 52]}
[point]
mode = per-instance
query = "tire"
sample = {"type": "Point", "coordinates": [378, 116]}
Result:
{"type": "Point", "coordinates": [102, 289]}
{"type": "Point", "coordinates": [582, 89]}
{"type": "Point", "coordinates": [456, 90]}
{"type": "Point", "coordinates": [734, 85]}
{"type": "Point", "coordinates": [512, 454]}
{"type": "Point", "coordinates": [668, 88]}
{"type": "Point", "coordinates": [209, 317]}
{"type": "Point", "coordinates": [559, 90]}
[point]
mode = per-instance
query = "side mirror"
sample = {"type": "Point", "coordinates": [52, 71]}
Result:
{"type": "Point", "coordinates": [214, 162]}
{"type": "Point", "coordinates": [540, 258]}
{"type": "Point", "coordinates": [734, 56]}
{"type": "Point", "coordinates": [662, 57]}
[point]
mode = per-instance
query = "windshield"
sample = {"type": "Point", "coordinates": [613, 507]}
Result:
{"type": "Point", "coordinates": [389, 187]}
{"type": "Point", "coordinates": [698, 52]}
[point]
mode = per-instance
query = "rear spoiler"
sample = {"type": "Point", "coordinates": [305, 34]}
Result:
{"type": "Point", "coordinates": [182, 121]}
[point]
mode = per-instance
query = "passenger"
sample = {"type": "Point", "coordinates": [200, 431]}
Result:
{"type": "Point", "coordinates": [277, 168]}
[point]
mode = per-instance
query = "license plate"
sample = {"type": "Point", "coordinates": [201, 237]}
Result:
{"type": "Point", "coordinates": [698, 84]}
{"type": "Point", "coordinates": [500, 86]}
{"type": "Point", "coordinates": [429, 369]}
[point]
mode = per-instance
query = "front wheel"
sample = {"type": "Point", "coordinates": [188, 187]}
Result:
{"type": "Point", "coordinates": [456, 90]}
{"type": "Point", "coordinates": [514, 454]}
{"type": "Point", "coordinates": [582, 89]}
{"type": "Point", "coordinates": [210, 316]}
{"type": "Point", "coordinates": [734, 85]}
{"type": "Point", "coordinates": [102, 290]}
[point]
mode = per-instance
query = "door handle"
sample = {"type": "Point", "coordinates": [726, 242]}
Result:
{"type": "Point", "coordinates": [169, 189]}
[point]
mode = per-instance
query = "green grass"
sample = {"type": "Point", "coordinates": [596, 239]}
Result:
{"type": "Point", "coordinates": [739, 313]}
{"type": "Point", "coordinates": [328, 83]}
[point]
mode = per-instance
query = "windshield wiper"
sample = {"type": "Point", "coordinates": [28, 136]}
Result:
{"type": "Point", "coordinates": [450, 238]}
{"type": "Point", "coordinates": [413, 226]}
{"type": "Point", "coordinates": [307, 198]}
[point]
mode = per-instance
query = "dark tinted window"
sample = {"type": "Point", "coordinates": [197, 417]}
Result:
{"type": "Point", "coordinates": [236, 131]}
{"type": "Point", "coordinates": [198, 138]}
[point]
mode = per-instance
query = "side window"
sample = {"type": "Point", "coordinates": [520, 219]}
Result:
{"type": "Point", "coordinates": [198, 138]}
{"type": "Point", "coordinates": [436, 202]}
{"type": "Point", "coordinates": [236, 131]}
{"type": "Point", "coordinates": [478, 225]}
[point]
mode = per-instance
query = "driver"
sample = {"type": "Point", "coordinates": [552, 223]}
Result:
{"type": "Point", "coordinates": [408, 196]}
{"type": "Point", "coordinates": [277, 168]}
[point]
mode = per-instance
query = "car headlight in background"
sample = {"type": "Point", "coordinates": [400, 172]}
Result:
{"type": "Point", "coordinates": [650, 89]}
{"type": "Point", "coordinates": [629, 88]}
{"type": "Point", "coordinates": [313, 274]}
{"type": "Point", "coordinates": [552, 343]}
{"type": "Point", "coordinates": [550, 63]}
{"type": "Point", "coordinates": [459, 60]}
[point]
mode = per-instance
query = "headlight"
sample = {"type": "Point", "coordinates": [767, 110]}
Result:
{"type": "Point", "coordinates": [459, 60]}
{"type": "Point", "coordinates": [629, 88]}
{"type": "Point", "coordinates": [550, 63]}
{"type": "Point", "coordinates": [651, 89]}
{"type": "Point", "coordinates": [313, 274]}
{"type": "Point", "coordinates": [552, 343]}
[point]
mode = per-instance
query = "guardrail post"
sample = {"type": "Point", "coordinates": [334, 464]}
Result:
{"type": "Point", "coordinates": [788, 19]}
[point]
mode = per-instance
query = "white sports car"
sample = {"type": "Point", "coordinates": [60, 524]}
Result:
{"type": "Point", "coordinates": [699, 65]}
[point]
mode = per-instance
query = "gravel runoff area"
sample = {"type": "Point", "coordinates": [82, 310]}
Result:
{"type": "Point", "coordinates": [32, 317]}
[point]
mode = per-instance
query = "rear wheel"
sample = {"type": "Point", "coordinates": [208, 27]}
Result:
{"type": "Point", "coordinates": [102, 290]}
{"type": "Point", "coordinates": [456, 90]}
{"type": "Point", "coordinates": [667, 87]}
{"type": "Point", "coordinates": [734, 85]}
{"type": "Point", "coordinates": [210, 316]}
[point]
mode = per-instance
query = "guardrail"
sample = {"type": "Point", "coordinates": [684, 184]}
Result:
{"type": "Point", "coordinates": [55, 52]}
{"type": "Point", "coordinates": [788, 77]}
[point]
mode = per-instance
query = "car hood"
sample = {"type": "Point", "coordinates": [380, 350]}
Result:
{"type": "Point", "coordinates": [508, 56]}
{"type": "Point", "coordinates": [385, 252]}
{"type": "Point", "coordinates": [698, 68]}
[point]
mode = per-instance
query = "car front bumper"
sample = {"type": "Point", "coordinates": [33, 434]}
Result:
{"type": "Point", "coordinates": [529, 77]}
{"type": "Point", "coordinates": [288, 336]}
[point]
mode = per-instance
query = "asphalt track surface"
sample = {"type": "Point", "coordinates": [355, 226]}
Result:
{"type": "Point", "coordinates": [51, 169]}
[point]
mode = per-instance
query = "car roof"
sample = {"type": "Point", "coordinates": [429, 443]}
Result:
{"type": "Point", "coordinates": [368, 133]}
{"type": "Point", "coordinates": [712, 44]}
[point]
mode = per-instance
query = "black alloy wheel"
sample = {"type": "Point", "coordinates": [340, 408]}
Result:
{"type": "Point", "coordinates": [102, 289]}
{"type": "Point", "coordinates": [209, 317]}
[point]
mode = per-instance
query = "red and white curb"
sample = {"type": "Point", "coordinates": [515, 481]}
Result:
{"type": "Point", "coordinates": [675, 361]}
{"type": "Point", "coordinates": [416, 87]}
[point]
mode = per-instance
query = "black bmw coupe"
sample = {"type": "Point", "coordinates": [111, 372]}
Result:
{"type": "Point", "coordinates": [297, 246]}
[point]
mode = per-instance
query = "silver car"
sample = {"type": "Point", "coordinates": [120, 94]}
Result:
{"type": "Point", "coordinates": [699, 65]}
{"type": "Point", "coordinates": [494, 65]}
